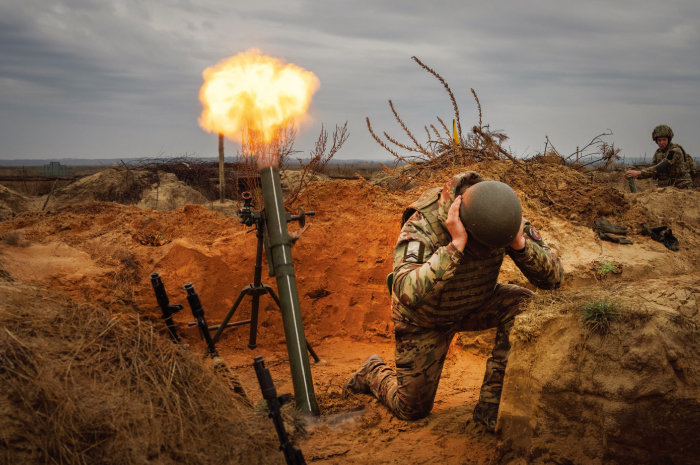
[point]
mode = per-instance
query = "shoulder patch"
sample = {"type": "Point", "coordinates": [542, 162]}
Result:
{"type": "Point", "coordinates": [414, 252]}
{"type": "Point", "coordinates": [534, 235]}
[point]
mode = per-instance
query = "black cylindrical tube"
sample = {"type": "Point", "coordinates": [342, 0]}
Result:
{"type": "Point", "coordinates": [198, 313]}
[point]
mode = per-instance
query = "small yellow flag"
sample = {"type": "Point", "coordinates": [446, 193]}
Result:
{"type": "Point", "coordinates": [455, 136]}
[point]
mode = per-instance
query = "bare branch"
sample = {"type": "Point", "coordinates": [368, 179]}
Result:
{"type": "Point", "coordinates": [478, 105]}
{"type": "Point", "coordinates": [437, 133]}
{"type": "Point", "coordinates": [319, 158]}
{"type": "Point", "coordinates": [444, 126]}
{"type": "Point", "coordinates": [447, 88]}
{"type": "Point", "coordinates": [406, 130]}
{"type": "Point", "coordinates": [489, 141]}
{"type": "Point", "coordinates": [380, 142]}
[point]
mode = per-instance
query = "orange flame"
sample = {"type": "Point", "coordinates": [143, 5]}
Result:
{"type": "Point", "coordinates": [254, 93]}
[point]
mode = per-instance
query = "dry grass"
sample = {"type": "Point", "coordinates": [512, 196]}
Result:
{"type": "Point", "coordinates": [80, 385]}
{"type": "Point", "coordinates": [125, 277]}
{"type": "Point", "coordinates": [595, 308]}
{"type": "Point", "coordinates": [320, 156]}
{"type": "Point", "coordinates": [539, 311]}
{"type": "Point", "coordinates": [5, 275]}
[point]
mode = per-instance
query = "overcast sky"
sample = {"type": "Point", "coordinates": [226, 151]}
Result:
{"type": "Point", "coordinates": [104, 79]}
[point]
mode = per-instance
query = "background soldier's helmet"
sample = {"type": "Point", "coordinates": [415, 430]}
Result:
{"type": "Point", "coordinates": [491, 213]}
{"type": "Point", "coordinates": [662, 130]}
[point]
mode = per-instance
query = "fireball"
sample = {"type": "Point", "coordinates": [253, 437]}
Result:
{"type": "Point", "coordinates": [254, 93]}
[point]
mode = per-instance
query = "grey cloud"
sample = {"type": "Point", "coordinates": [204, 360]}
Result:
{"type": "Point", "coordinates": [133, 68]}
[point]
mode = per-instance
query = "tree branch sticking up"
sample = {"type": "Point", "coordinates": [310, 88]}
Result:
{"type": "Point", "coordinates": [440, 149]}
{"type": "Point", "coordinates": [319, 158]}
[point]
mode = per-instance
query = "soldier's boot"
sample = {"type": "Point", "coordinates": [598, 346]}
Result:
{"type": "Point", "coordinates": [670, 241]}
{"type": "Point", "coordinates": [358, 382]}
{"type": "Point", "coordinates": [486, 413]}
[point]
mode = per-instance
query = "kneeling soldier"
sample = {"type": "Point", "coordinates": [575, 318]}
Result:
{"type": "Point", "coordinates": [446, 264]}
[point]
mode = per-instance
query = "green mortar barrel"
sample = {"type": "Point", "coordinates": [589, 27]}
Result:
{"type": "Point", "coordinates": [633, 185]}
{"type": "Point", "coordinates": [280, 247]}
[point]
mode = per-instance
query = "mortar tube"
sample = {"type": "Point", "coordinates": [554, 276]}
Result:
{"type": "Point", "coordinates": [280, 246]}
{"type": "Point", "coordinates": [633, 185]}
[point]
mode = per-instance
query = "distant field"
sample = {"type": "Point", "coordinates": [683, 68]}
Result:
{"type": "Point", "coordinates": [35, 179]}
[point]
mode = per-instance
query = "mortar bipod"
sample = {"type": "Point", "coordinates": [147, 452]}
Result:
{"type": "Point", "coordinates": [255, 290]}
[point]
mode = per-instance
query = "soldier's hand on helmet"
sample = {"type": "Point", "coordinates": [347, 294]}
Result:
{"type": "Point", "coordinates": [519, 241]}
{"type": "Point", "coordinates": [455, 226]}
{"type": "Point", "coordinates": [632, 173]}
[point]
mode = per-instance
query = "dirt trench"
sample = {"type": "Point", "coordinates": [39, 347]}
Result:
{"type": "Point", "coordinates": [92, 252]}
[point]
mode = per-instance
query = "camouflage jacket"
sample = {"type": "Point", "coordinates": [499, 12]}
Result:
{"type": "Point", "coordinates": [435, 285]}
{"type": "Point", "coordinates": [677, 173]}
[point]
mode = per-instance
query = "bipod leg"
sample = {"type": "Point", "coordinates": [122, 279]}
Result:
{"type": "Point", "coordinates": [230, 313]}
{"type": "Point", "coordinates": [311, 351]}
{"type": "Point", "coordinates": [269, 290]}
{"type": "Point", "coordinates": [252, 344]}
{"type": "Point", "coordinates": [198, 313]}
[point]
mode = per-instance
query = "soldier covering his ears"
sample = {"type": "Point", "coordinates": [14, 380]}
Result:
{"type": "Point", "coordinates": [446, 264]}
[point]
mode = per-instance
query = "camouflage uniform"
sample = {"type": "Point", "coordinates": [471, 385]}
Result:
{"type": "Point", "coordinates": [438, 291]}
{"type": "Point", "coordinates": [676, 173]}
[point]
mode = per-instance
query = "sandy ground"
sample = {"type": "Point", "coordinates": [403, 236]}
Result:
{"type": "Point", "coordinates": [90, 252]}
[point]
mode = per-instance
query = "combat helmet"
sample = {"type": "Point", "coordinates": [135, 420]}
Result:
{"type": "Point", "coordinates": [662, 130]}
{"type": "Point", "coordinates": [491, 213]}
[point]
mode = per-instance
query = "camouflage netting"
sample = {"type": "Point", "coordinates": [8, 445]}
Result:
{"type": "Point", "coordinates": [82, 385]}
{"type": "Point", "coordinates": [628, 394]}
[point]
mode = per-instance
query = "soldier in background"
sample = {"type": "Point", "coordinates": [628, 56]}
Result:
{"type": "Point", "coordinates": [446, 264]}
{"type": "Point", "coordinates": [671, 165]}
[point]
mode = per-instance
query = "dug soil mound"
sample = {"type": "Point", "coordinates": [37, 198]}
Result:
{"type": "Point", "coordinates": [169, 193]}
{"type": "Point", "coordinates": [543, 187]}
{"type": "Point", "coordinates": [606, 377]}
{"type": "Point", "coordinates": [12, 203]}
{"type": "Point", "coordinates": [105, 252]}
{"type": "Point", "coordinates": [148, 188]}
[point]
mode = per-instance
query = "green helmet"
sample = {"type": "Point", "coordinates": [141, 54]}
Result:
{"type": "Point", "coordinates": [491, 213]}
{"type": "Point", "coordinates": [662, 130]}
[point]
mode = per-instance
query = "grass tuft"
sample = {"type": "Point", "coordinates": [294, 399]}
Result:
{"type": "Point", "coordinates": [606, 267]}
{"type": "Point", "coordinates": [597, 315]}
{"type": "Point", "coordinates": [601, 269]}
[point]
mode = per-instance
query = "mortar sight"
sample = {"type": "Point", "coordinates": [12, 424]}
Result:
{"type": "Point", "coordinates": [248, 217]}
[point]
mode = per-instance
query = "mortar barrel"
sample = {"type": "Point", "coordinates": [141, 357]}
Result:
{"type": "Point", "coordinates": [280, 246]}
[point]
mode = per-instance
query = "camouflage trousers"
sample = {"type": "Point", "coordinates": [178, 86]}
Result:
{"type": "Point", "coordinates": [409, 391]}
{"type": "Point", "coordinates": [685, 182]}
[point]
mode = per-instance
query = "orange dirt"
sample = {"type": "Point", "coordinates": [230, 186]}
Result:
{"type": "Point", "coordinates": [90, 252]}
